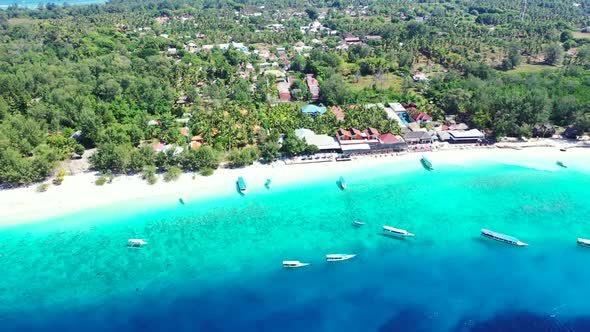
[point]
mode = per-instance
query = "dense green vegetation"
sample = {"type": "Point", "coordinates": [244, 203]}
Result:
{"type": "Point", "coordinates": [76, 78]}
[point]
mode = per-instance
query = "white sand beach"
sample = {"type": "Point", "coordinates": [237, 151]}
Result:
{"type": "Point", "coordinates": [79, 192]}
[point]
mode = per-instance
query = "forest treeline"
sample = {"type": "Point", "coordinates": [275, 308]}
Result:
{"type": "Point", "coordinates": [74, 78]}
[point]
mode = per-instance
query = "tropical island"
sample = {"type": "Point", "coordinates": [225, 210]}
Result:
{"type": "Point", "coordinates": [162, 87]}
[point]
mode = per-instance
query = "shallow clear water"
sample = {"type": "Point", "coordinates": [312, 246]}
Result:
{"type": "Point", "coordinates": [216, 265]}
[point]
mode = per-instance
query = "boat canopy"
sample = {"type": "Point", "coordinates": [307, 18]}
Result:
{"type": "Point", "coordinates": [499, 235]}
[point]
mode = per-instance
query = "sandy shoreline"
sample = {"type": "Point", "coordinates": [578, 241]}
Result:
{"type": "Point", "coordinates": [79, 192]}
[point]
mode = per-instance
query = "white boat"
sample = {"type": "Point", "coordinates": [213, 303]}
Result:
{"type": "Point", "coordinates": [293, 264]}
{"type": "Point", "coordinates": [502, 238]}
{"type": "Point", "coordinates": [338, 257]}
{"type": "Point", "coordinates": [358, 223]}
{"type": "Point", "coordinates": [396, 231]}
{"type": "Point", "coordinates": [583, 242]}
{"type": "Point", "coordinates": [562, 163]}
{"type": "Point", "coordinates": [136, 243]}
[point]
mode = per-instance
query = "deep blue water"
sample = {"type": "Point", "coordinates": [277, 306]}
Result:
{"type": "Point", "coordinates": [215, 264]}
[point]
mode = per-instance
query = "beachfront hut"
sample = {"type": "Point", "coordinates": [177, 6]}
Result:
{"type": "Point", "coordinates": [344, 135]}
{"type": "Point", "coordinates": [417, 137]}
{"type": "Point", "coordinates": [357, 134]}
{"type": "Point", "coordinates": [372, 133]}
{"type": "Point", "coordinates": [467, 136]}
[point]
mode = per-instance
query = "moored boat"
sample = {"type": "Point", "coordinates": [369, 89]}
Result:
{"type": "Point", "coordinates": [268, 183]}
{"type": "Point", "coordinates": [562, 163]}
{"type": "Point", "coordinates": [358, 223]}
{"type": "Point", "coordinates": [338, 257]}
{"type": "Point", "coordinates": [426, 163]}
{"type": "Point", "coordinates": [136, 243]}
{"type": "Point", "coordinates": [344, 157]}
{"type": "Point", "coordinates": [342, 183]}
{"type": "Point", "coordinates": [182, 200]}
{"type": "Point", "coordinates": [502, 238]}
{"type": "Point", "coordinates": [242, 185]}
{"type": "Point", "coordinates": [584, 242]}
{"type": "Point", "coordinates": [293, 264]}
{"type": "Point", "coordinates": [396, 231]}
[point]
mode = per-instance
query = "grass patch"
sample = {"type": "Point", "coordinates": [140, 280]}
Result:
{"type": "Point", "coordinates": [388, 80]}
{"type": "Point", "coordinates": [581, 35]}
{"type": "Point", "coordinates": [531, 68]}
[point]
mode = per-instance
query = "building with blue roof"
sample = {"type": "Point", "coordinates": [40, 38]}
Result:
{"type": "Point", "coordinates": [313, 109]}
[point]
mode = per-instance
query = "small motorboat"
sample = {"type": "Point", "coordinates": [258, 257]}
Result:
{"type": "Point", "coordinates": [584, 242]}
{"type": "Point", "coordinates": [182, 200]}
{"type": "Point", "coordinates": [342, 183]}
{"type": "Point", "coordinates": [426, 163]}
{"type": "Point", "coordinates": [136, 243]}
{"type": "Point", "coordinates": [502, 238]}
{"type": "Point", "coordinates": [338, 257]}
{"type": "Point", "coordinates": [294, 264]}
{"type": "Point", "coordinates": [358, 223]}
{"type": "Point", "coordinates": [268, 183]}
{"type": "Point", "coordinates": [242, 185]}
{"type": "Point", "coordinates": [561, 163]}
{"type": "Point", "coordinates": [396, 231]}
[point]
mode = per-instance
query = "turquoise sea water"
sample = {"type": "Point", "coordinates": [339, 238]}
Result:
{"type": "Point", "coordinates": [35, 3]}
{"type": "Point", "coordinates": [215, 265]}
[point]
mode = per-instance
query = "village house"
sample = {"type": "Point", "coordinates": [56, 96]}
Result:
{"type": "Point", "coordinates": [337, 111]}
{"type": "Point", "coordinates": [419, 76]}
{"type": "Point", "coordinates": [314, 86]}
{"type": "Point", "coordinates": [467, 136]}
{"type": "Point", "coordinates": [352, 40]}
{"type": "Point", "coordinates": [422, 117]}
{"type": "Point", "coordinates": [184, 131]}
{"type": "Point", "coordinates": [324, 143]}
{"type": "Point", "coordinates": [417, 137]}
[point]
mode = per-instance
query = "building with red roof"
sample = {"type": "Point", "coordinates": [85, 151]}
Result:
{"type": "Point", "coordinates": [337, 112]}
{"type": "Point", "coordinates": [314, 86]}
{"type": "Point", "coordinates": [344, 135]}
{"type": "Point", "coordinates": [422, 117]}
{"type": "Point", "coordinates": [389, 139]}
{"type": "Point", "coordinates": [357, 134]}
{"type": "Point", "coordinates": [372, 133]}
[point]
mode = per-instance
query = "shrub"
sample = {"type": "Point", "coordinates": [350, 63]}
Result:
{"type": "Point", "coordinates": [59, 178]}
{"type": "Point", "coordinates": [79, 149]}
{"type": "Point", "coordinates": [206, 171]}
{"type": "Point", "coordinates": [172, 174]}
{"type": "Point", "coordinates": [42, 187]}
{"type": "Point", "coordinates": [101, 180]}
{"type": "Point", "coordinates": [149, 174]}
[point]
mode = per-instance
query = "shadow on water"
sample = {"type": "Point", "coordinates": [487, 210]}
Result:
{"type": "Point", "coordinates": [394, 237]}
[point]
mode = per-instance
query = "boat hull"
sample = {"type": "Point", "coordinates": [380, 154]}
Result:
{"type": "Point", "coordinates": [294, 264]}
{"type": "Point", "coordinates": [396, 231]}
{"type": "Point", "coordinates": [242, 185]}
{"type": "Point", "coordinates": [426, 163]}
{"type": "Point", "coordinates": [584, 242]}
{"type": "Point", "coordinates": [342, 183]}
{"type": "Point", "coordinates": [338, 257]}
